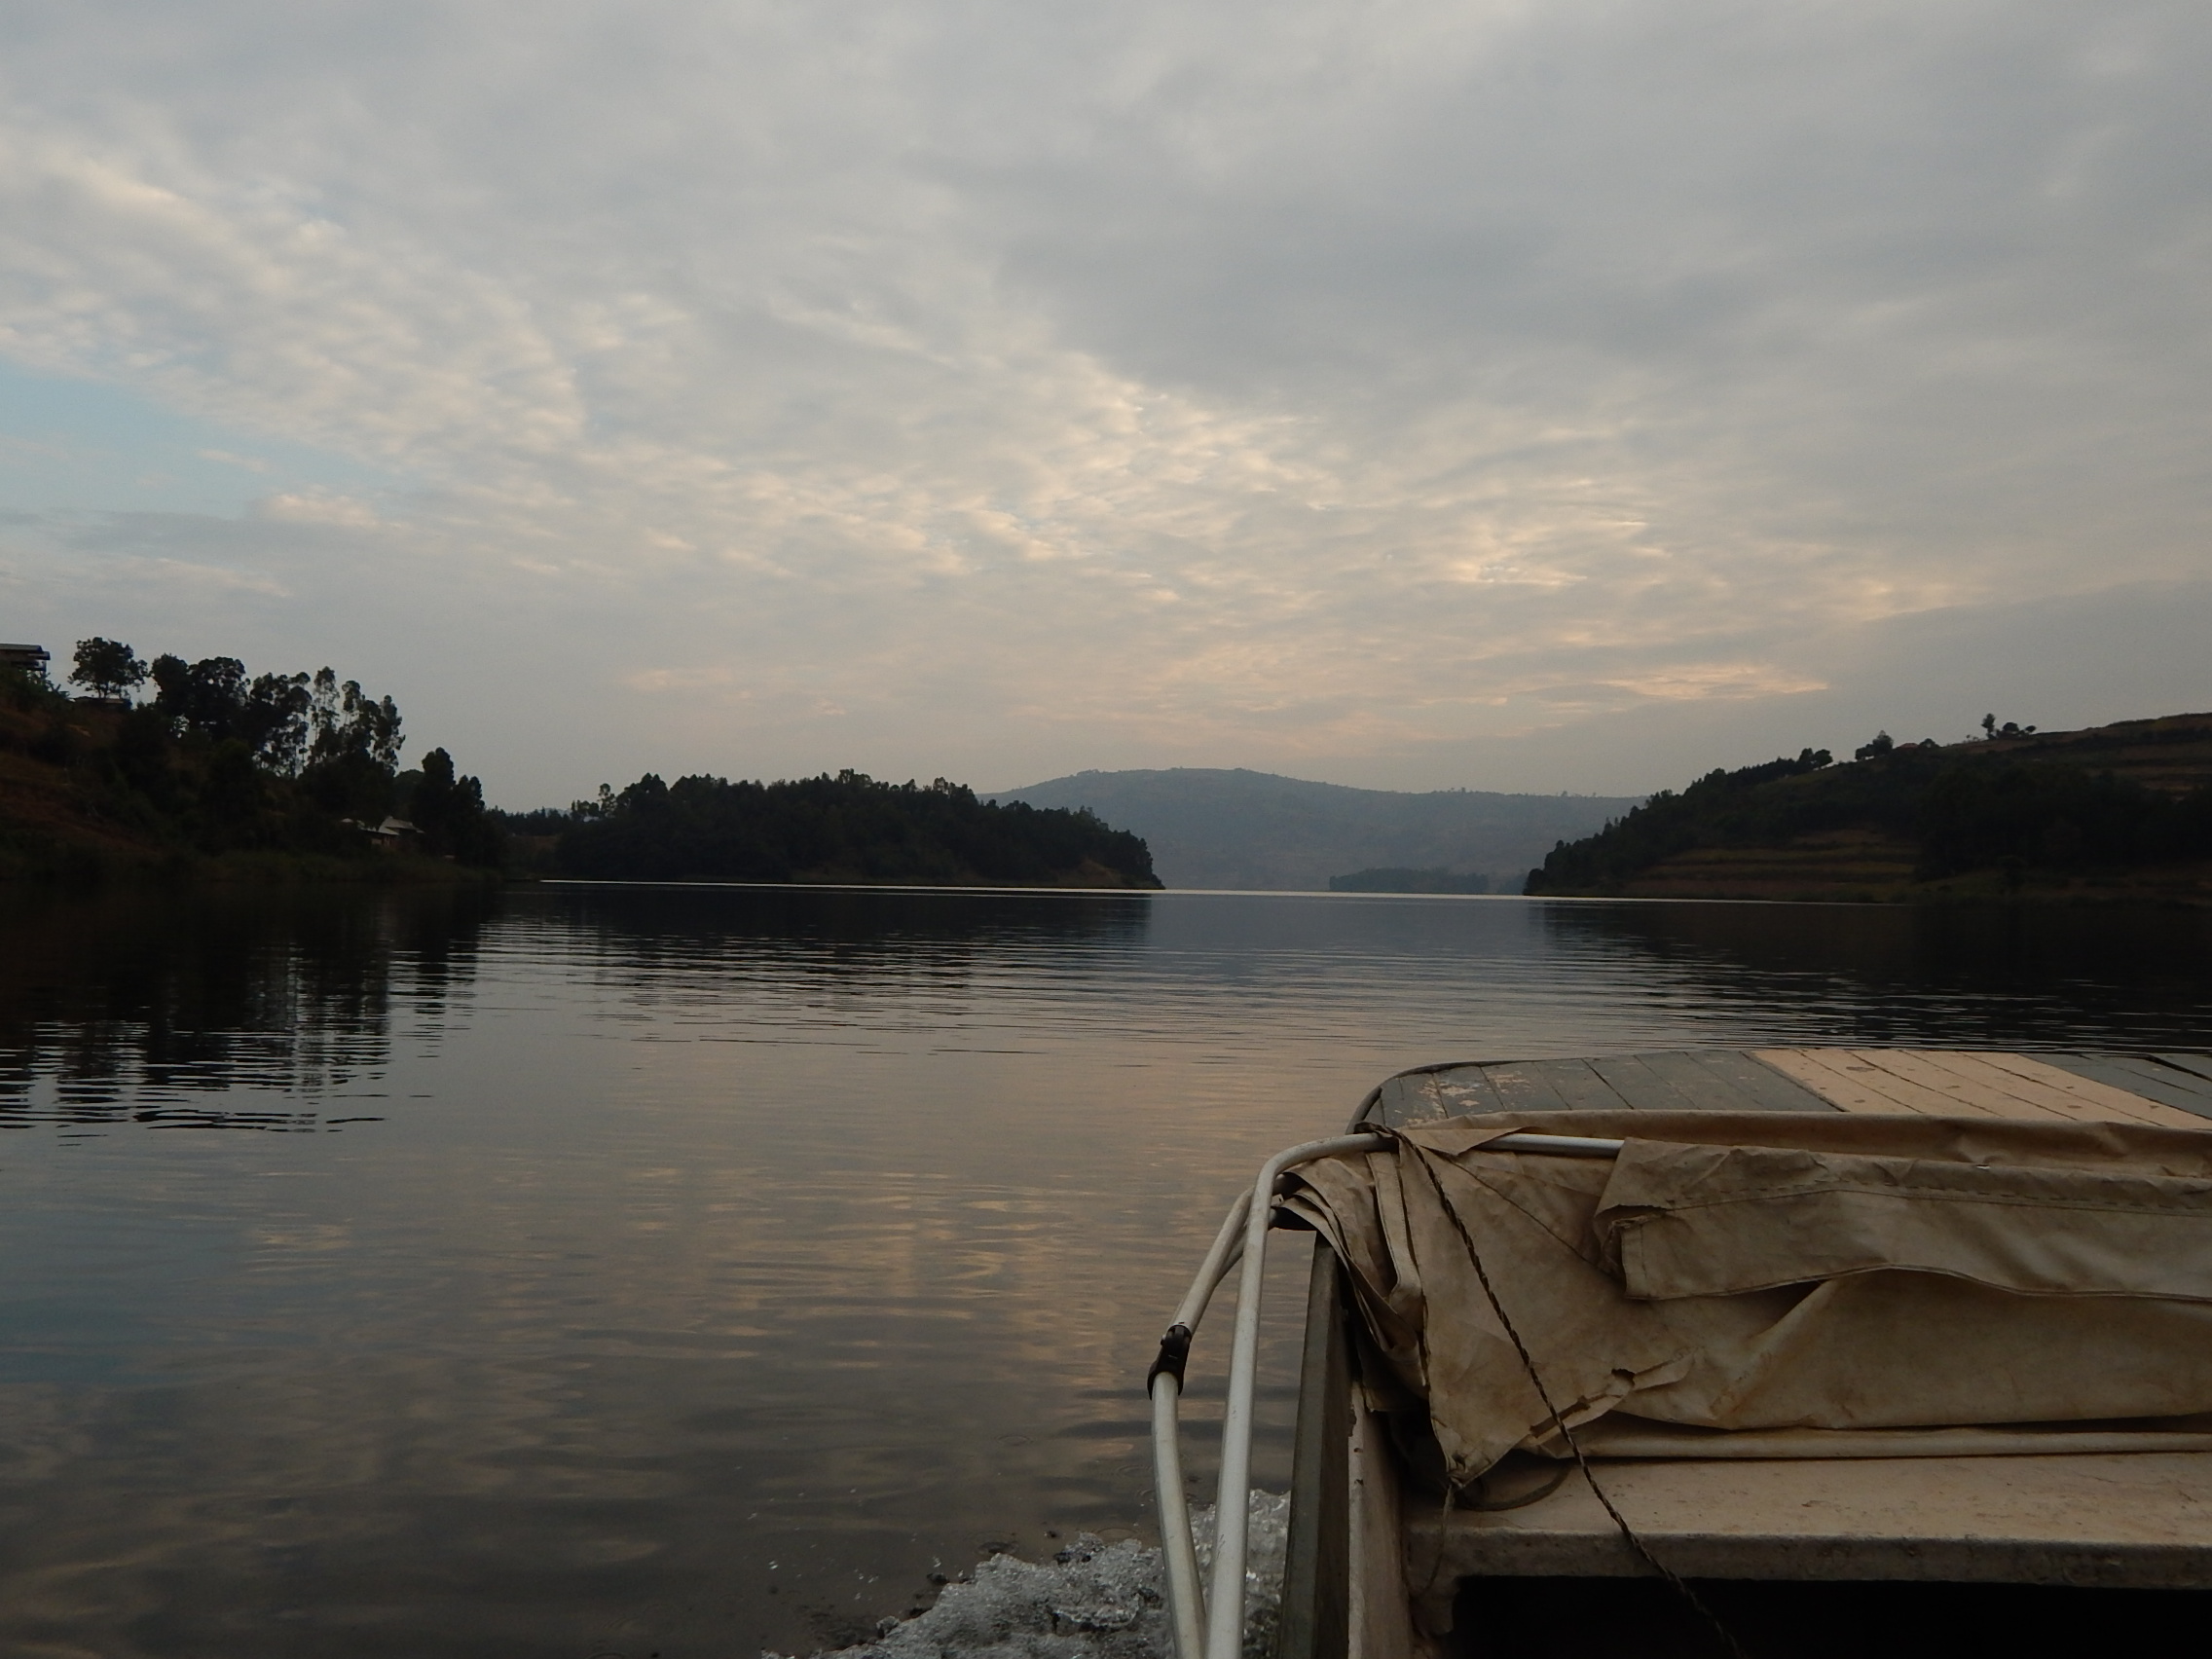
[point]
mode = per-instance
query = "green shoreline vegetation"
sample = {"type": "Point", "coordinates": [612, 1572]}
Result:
{"type": "Point", "coordinates": [2112, 812]}
{"type": "Point", "coordinates": [285, 778]}
{"type": "Point", "coordinates": [218, 775]}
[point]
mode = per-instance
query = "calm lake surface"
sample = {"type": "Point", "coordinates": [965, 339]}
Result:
{"type": "Point", "coordinates": [688, 1272]}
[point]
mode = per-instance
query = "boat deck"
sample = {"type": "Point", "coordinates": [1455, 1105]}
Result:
{"type": "Point", "coordinates": [2171, 1090]}
{"type": "Point", "coordinates": [2134, 1520]}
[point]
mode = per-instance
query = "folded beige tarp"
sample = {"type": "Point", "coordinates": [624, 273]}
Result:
{"type": "Point", "coordinates": [1780, 1270]}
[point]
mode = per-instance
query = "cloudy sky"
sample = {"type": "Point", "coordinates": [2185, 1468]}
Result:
{"type": "Point", "coordinates": [1573, 394]}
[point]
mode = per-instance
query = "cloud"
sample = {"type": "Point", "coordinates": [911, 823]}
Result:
{"type": "Point", "coordinates": [318, 507]}
{"type": "Point", "coordinates": [655, 680]}
{"type": "Point", "coordinates": [1040, 386]}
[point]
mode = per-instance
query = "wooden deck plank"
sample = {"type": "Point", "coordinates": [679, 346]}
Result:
{"type": "Point", "coordinates": [2045, 1089]}
{"type": "Point", "coordinates": [2197, 1065]}
{"type": "Point", "coordinates": [1930, 1082]}
{"type": "Point", "coordinates": [1856, 1086]}
{"type": "Point", "coordinates": [1641, 1088]}
{"type": "Point", "coordinates": [2085, 1097]}
{"type": "Point", "coordinates": [1466, 1092]}
{"type": "Point", "coordinates": [2143, 1076]}
{"type": "Point", "coordinates": [1524, 1088]}
{"type": "Point", "coordinates": [1774, 1091]}
{"type": "Point", "coordinates": [1975, 1086]}
{"type": "Point", "coordinates": [1581, 1088]}
{"type": "Point", "coordinates": [2195, 1076]}
{"type": "Point", "coordinates": [1706, 1088]}
{"type": "Point", "coordinates": [1407, 1100]}
{"type": "Point", "coordinates": [2007, 1084]}
{"type": "Point", "coordinates": [1838, 1088]}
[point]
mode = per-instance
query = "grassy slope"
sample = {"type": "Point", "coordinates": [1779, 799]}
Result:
{"type": "Point", "coordinates": [42, 812]}
{"type": "Point", "coordinates": [1878, 857]}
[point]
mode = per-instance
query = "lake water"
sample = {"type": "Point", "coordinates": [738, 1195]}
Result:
{"type": "Point", "coordinates": [688, 1272]}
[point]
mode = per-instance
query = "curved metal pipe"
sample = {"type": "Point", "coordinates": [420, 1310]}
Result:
{"type": "Point", "coordinates": [1212, 1626]}
{"type": "Point", "coordinates": [1185, 1605]}
{"type": "Point", "coordinates": [1231, 1515]}
{"type": "Point", "coordinates": [1556, 1146]}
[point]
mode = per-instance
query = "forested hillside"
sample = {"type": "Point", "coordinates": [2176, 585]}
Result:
{"type": "Point", "coordinates": [2113, 810]}
{"type": "Point", "coordinates": [216, 768]}
{"type": "Point", "coordinates": [843, 828]}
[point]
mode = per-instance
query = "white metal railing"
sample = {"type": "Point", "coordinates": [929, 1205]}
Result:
{"type": "Point", "coordinates": [1212, 1626]}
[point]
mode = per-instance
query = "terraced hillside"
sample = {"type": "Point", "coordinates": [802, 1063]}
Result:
{"type": "Point", "coordinates": [2115, 811]}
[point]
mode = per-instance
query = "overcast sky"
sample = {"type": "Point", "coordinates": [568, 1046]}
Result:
{"type": "Point", "coordinates": [1568, 395]}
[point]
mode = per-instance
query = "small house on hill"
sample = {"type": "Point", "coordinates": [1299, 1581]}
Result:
{"type": "Point", "coordinates": [30, 659]}
{"type": "Point", "coordinates": [391, 835]}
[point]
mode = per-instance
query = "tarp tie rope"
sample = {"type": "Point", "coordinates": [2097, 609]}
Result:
{"type": "Point", "coordinates": [1558, 1419]}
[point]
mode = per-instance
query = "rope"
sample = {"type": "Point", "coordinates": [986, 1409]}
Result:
{"type": "Point", "coordinates": [1681, 1586]}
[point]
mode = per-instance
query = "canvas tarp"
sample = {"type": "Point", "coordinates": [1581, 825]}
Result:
{"type": "Point", "coordinates": [1781, 1270]}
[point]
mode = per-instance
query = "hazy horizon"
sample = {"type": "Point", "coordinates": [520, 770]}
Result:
{"type": "Point", "coordinates": [1515, 399]}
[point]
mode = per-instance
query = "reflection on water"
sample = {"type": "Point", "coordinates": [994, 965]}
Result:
{"type": "Point", "coordinates": [1967, 975]}
{"type": "Point", "coordinates": [117, 1009]}
{"type": "Point", "coordinates": [696, 1270]}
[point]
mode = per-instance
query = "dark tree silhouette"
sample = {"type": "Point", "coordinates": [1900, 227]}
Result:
{"type": "Point", "coordinates": [846, 827]}
{"type": "Point", "coordinates": [219, 760]}
{"type": "Point", "coordinates": [108, 669]}
{"type": "Point", "coordinates": [448, 811]}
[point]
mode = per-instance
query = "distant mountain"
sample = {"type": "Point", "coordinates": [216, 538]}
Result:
{"type": "Point", "coordinates": [1211, 827]}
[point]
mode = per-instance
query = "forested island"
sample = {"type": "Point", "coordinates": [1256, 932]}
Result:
{"type": "Point", "coordinates": [218, 773]}
{"type": "Point", "coordinates": [849, 827]}
{"type": "Point", "coordinates": [2113, 811]}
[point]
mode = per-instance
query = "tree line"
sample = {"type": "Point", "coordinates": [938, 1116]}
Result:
{"type": "Point", "coordinates": [218, 760]}
{"type": "Point", "coordinates": [847, 826]}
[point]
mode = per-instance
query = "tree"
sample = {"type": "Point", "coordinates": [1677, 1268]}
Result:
{"type": "Point", "coordinates": [275, 720]}
{"type": "Point", "coordinates": [171, 676]}
{"type": "Point", "coordinates": [108, 669]}
{"type": "Point", "coordinates": [1880, 743]}
{"type": "Point", "coordinates": [449, 810]}
{"type": "Point", "coordinates": [213, 699]}
{"type": "Point", "coordinates": [206, 697]}
{"type": "Point", "coordinates": [352, 746]}
{"type": "Point", "coordinates": [347, 722]}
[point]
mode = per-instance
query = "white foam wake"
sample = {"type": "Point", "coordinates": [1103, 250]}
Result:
{"type": "Point", "coordinates": [1091, 1601]}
